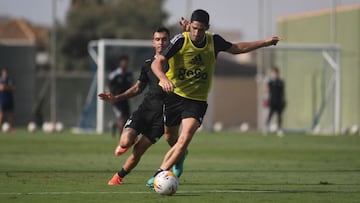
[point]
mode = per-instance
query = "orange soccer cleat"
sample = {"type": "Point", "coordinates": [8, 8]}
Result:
{"type": "Point", "coordinates": [115, 180]}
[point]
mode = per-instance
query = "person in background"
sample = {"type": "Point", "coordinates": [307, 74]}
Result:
{"type": "Point", "coordinates": [7, 88]}
{"type": "Point", "coordinates": [276, 98]}
{"type": "Point", "coordinates": [120, 80]}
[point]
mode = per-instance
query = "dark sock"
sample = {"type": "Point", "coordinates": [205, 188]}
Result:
{"type": "Point", "coordinates": [122, 173]}
{"type": "Point", "coordinates": [158, 171]}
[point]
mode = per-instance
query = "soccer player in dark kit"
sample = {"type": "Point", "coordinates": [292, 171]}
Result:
{"type": "Point", "coordinates": [148, 118]}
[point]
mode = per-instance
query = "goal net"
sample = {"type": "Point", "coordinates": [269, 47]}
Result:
{"type": "Point", "coordinates": [312, 75]}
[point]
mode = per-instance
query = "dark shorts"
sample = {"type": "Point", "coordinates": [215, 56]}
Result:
{"type": "Point", "coordinates": [277, 106]}
{"type": "Point", "coordinates": [178, 108]}
{"type": "Point", "coordinates": [6, 104]}
{"type": "Point", "coordinates": [122, 109]}
{"type": "Point", "coordinates": [149, 123]}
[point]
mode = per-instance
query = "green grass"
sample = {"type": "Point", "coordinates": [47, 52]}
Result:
{"type": "Point", "coordinates": [220, 167]}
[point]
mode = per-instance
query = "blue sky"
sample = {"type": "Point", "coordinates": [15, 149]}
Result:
{"type": "Point", "coordinates": [237, 15]}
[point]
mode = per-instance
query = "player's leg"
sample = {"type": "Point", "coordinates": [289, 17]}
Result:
{"type": "Point", "coordinates": [279, 118]}
{"type": "Point", "coordinates": [1, 117]}
{"type": "Point", "coordinates": [115, 125]}
{"type": "Point", "coordinates": [271, 113]}
{"type": "Point", "coordinates": [127, 139]}
{"type": "Point", "coordinates": [11, 114]}
{"type": "Point", "coordinates": [279, 111]}
{"type": "Point", "coordinates": [124, 116]}
{"type": "Point", "coordinates": [2, 109]}
{"type": "Point", "coordinates": [11, 120]}
{"type": "Point", "coordinates": [121, 124]}
{"type": "Point", "coordinates": [173, 109]}
{"type": "Point", "coordinates": [139, 149]}
{"type": "Point", "coordinates": [133, 126]}
{"type": "Point", "coordinates": [171, 135]}
{"type": "Point", "coordinates": [189, 127]}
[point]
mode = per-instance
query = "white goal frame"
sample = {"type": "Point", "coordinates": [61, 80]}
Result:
{"type": "Point", "coordinates": [331, 53]}
{"type": "Point", "coordinates": [327, 50]}
{"type": "Point", "coordinates": [99, 58]}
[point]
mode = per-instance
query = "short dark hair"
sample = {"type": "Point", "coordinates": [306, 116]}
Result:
{"type": "Point", "coordinates": [275, 69]}
{"type": "Point", "coordinates": [123, 58]}
{"type": "Point", "coordinates": [201, 16]}
{"type": "Point", "coordinates": [163, 29]}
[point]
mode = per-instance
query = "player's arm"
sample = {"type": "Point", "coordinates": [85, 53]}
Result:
{"type": "Point", "coordinates": [185, 24]}
{"type": "Point", "coordinates": [156, 67]}
{"type": "Point", "coordinates": [244, 47]}
{"type": "Point", "coordinates": [133, 91]}
{"type": "Point", "coordinates": [175, 45]}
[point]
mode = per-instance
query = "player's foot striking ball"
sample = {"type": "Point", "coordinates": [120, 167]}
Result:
{"type": "Point", "coordinates": [178, 168]}
{"type": "Point", "coordinates": [150, 183]}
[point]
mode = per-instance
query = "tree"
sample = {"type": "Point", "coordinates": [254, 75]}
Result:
{"type": "Point", "coordinates": [94, 19]}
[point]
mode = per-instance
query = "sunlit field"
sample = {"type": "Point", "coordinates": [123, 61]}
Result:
{"type": "Point", "coordinates": [220, 167]}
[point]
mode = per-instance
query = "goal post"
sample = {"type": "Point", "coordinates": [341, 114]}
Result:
{"type": "Point", "coordinates": [325, 59]}
{"type": "Point", "coordinates": [312, 74]}
{"type": "Point", "coordinates": [138, 51]}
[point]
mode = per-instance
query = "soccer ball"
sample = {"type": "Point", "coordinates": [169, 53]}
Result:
{"type": "Point", "coordinates": [166, 183]}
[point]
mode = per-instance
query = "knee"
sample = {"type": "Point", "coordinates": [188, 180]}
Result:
{"type": "Point", "coordinates": [127, 139]}
{"type": "Point", "coordinates": [125, 143]}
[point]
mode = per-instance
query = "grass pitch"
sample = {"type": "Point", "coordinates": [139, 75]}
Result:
{"type": "Point", "coordinates": [220, 167]}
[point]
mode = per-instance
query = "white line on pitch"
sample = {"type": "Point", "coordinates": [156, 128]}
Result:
{"type": "Point", "coordinates": [137, 192]}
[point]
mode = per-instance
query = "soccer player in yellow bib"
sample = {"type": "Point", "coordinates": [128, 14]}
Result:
{"type": "Point", "coordinates": [191, 57]}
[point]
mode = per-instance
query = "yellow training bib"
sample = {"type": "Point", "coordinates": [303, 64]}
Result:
{"type": "Point", "coordinates": [191, 69]}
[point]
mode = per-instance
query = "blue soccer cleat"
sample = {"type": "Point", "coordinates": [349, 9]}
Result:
{"type": "Point", "coordinates": [178, 168]}
{"type": "Point", "coordinates": [150, 183]}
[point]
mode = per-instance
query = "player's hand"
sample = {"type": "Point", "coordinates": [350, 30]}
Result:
{"type": "Point", "coordinates": [167, 85]}
{"type": "Point", "coordinates": [107, 97]}
{"type": "Point", "coordinates": [272, 40]}
{"type": "Point", "coordinates": [185, 24]}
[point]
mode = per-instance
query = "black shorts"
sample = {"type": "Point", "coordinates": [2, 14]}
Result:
{"type": "Point", "coordinates": [277, 106]}
{"type": "Point", "coordinates": [6, 106]}
{"type": "Point", "coordinates": [147, 122]}
{"type": "Point", "coordinates": [178, 108]}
